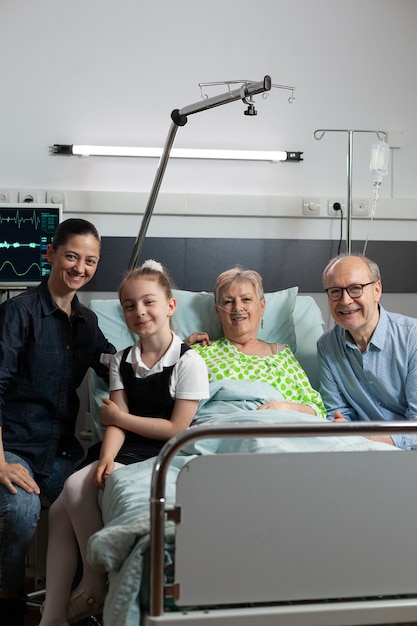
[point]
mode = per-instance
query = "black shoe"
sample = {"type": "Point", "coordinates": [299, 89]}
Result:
{"type": "Point", "coordinates": [12, 612]}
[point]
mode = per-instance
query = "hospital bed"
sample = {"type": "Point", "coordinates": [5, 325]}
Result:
{"type": "Point", "coordinates": [214, 533]}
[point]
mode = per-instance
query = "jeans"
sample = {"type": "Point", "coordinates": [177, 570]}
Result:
{"type": "Point", "coordinates": [19, 517]}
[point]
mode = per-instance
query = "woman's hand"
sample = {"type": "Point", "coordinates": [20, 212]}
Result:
{"type": "Point", "coordinates": [202, 338]}
{"type": "Point", "coordinates": [287, 406]}
{"type": "Point", "coordinates": [15, 474]}
{"type": "Point", "coordinates": [109, 413]}
{"type": "Point", "coordinates": [276, 404]}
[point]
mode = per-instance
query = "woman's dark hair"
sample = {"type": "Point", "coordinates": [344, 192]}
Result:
{"type": "Point", "coordinates": [73, 226]}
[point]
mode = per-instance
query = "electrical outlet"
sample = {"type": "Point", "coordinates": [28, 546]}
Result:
{"type": "Point", "coordinates": [311, 206]}
{"type": "Point", "coordinates": [331, 211]}
{"type": "Point", "coordinates": [31, 195]}
{"type": "Point", "coordinates": [55, 197]}
{"type": "Point", "coordinates": [5, 195]}
{"type": "Point", "coordinates": [360, 208]}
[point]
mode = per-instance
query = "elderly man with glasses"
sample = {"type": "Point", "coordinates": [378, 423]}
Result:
{"type": "Point", "coordinates": [368, 360]}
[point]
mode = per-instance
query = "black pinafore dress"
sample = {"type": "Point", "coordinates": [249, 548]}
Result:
{"type": "Point", "coordinates": [147, 397]}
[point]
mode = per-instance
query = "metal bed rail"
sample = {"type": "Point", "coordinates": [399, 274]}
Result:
{"type": "Point", "coordinates": [174, 445]}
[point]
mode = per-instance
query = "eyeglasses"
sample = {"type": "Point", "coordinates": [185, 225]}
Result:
{"type": "Point", "coordinates": [354, 291]}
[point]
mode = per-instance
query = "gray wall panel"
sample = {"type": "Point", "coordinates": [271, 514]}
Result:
{"type": "Point", "coordinates": [195, 263]}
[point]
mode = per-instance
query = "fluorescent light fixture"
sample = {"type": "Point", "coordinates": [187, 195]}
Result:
{"type": "Point", "coordinates": [179, 153]}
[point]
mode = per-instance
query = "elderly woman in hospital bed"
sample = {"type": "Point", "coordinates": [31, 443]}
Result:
{"type": "Point", "coordinates": [240, 355]}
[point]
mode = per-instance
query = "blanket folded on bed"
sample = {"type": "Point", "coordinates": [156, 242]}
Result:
{"type": "Point", "coordinates": [237, 402]}
{"type": "Point", "coordinates": [120, 546]}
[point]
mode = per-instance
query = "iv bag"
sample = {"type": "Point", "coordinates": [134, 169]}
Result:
{"type": "Point", "coordinates": [379, 159]}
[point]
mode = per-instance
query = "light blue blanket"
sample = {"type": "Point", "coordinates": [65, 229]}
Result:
{"type": "Point", "coordinates": [120, 546]}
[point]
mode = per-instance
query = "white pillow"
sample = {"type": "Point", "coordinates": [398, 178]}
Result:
{"type": "Point", "coordinates": [195, 312]}
{"type": "Point", "coordinates": [278, 325]}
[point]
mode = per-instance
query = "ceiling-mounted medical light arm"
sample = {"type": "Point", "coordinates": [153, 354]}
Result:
{"type": "Point", "coordinates": [179, 118]}
{"type": "Point", "coordinates": [233, 82]}
{"type": "Point", "coordinates": [247, 90]}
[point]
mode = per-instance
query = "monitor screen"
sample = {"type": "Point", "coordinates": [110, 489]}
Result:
{"type": "Point", "coordinates": [25, 232]}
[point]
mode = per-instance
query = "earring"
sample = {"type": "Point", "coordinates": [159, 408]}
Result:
{"type": "Point", "coordinates": [262, 323]}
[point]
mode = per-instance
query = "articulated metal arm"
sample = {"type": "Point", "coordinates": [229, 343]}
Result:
{"type": "Point", "coordinates": [179, 118]}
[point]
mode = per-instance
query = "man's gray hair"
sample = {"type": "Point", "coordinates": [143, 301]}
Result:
{"type": "Point", "coordinates": [372, 266]}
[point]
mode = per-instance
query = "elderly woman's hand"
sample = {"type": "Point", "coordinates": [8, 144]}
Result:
{"type": "Point", "coordinates": [287, 406]}
{"type": "Point", "coordinates": [202, 338]}
{"type": "Point", "coordinates": [276, 404]}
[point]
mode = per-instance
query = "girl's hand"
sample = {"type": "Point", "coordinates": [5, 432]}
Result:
{"type": "Point", "coordinates": [109, 413]}
{"type": "Point", "coordinates": [103, 471]}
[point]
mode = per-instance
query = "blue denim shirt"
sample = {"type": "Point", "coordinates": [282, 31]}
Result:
{"type": "Point", "coordinates": [44, 357]}
{"type": "Point", "coordinates": [379, 384]}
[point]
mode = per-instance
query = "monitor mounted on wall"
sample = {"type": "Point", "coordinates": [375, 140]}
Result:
{"type": "Point", "coordinates": [26, 229]}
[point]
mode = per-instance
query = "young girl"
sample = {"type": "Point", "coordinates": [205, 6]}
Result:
{"type": "Point", "coordinates": [155, 388]}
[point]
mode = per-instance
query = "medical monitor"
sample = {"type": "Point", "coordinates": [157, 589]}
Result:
{"type": "Point", "coordinates": [26, 229]}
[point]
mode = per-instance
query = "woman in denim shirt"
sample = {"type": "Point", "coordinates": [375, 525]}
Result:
{"type": "Point", "coordinates": [48, 340]}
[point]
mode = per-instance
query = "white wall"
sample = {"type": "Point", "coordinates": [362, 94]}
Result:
{"type": "Point", "coordinates": [105, 72]}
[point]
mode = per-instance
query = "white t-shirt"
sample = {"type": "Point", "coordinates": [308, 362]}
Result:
{"type": "Point", "coordinates": [189, 380]}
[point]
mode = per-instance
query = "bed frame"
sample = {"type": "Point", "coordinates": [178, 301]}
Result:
{"type": "Point", "coordinates": [312, 539]}
{"type": "Point", "coordinates": [288, 539]}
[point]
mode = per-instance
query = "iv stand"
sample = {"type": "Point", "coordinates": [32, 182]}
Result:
{"type": "Point", "coordinates": [319, 134]}
{"type": "Point", "coordinates": [179, 118]}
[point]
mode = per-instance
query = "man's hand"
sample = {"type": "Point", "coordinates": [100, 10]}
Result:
{"type": "Point", "coordinates": [338, 417]}
{"type": "Point", "coordinates": [15, 474]}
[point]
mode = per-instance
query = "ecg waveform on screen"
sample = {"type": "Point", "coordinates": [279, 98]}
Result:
{"type": "Point", "coordinates": [19, 219]}
{"type": "Point", "coordinates": [15, 272]}
{"type": "Point", "coordinates": [26, 232]}
{"type": "Point", "coordinates": [19, 244]}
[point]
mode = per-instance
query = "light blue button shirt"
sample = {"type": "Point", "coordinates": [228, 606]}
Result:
{"type": "Point", "coordinates": [379, 384]}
